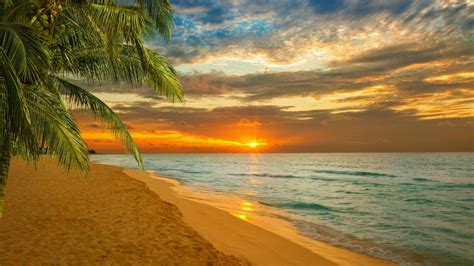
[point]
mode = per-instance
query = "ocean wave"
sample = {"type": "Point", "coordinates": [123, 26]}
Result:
{"type": "Point", "coordinates": [421, 179]}
{"type": "Point", "coordinates": [324, 178]}
{"type": "Point", "coordinates": [467, 199]}
{"type": "Point", "coordinates": [354, 173]}
{"type": "Point", "coordinates": [454, 185]}
{"type": "Point", "coordinates": [267, 175]}
{"type": "Point", "coordinates": [337, 238]}
{"type": "Point", "coordinates": [437, 185]}
{"type": "Point", "coordinates": [299, 206]}
{"type": "Point", "coordinates": [418, 200]}
{"type": "Point", "coordinates": [183, 171]}
{"type": "Point", "coordinates": [349, 192]}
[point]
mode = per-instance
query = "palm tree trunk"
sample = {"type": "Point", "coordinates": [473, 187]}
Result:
{"type": "Point", "coordinates": [5, 158]}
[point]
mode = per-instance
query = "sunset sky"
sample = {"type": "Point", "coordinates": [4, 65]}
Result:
{"type": "Point", "coordinates": [307, 76]}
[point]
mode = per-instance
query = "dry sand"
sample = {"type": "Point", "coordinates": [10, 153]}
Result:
{"type": "Point", "coordinates": [54, 217]}
{"type": "Point", "coordinates": [51, 216]}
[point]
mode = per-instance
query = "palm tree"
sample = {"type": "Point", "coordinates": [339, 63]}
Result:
{"type": "Point", "coordinates": [44, 43]}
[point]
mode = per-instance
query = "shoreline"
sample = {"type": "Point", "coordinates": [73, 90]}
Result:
{"type": "Point", "coordinates": [196, 206]}
{"type": "Point", "coordinates": [119, 215]}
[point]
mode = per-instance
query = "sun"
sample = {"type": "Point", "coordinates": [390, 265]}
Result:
{"type": "Point", "coordinates": [253, 144]}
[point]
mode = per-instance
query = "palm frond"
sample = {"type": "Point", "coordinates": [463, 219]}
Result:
{"type": "Point", "coordinates": [121, 22]}
{"type": "Point", "coordinates": [162, 13]}
{"type": "Point", "coordinates": [159, 73]}
{"type": "Point", "coordinates": [98, 40]}
{"type": "Point", "coordinates": [57, 129]}
{"type": "Point", "coordinates": [144, 68]}
{"type": "Point", "coordinates": [27, 45]}
{"type": "Point", "coordinates": [13, 47]}
{"type": "Point", "coordinates": [82, 98]}
{"type": "Point", "coordinates": [18, 120]}
{"type": "Point", "coordinates": [15, 121]}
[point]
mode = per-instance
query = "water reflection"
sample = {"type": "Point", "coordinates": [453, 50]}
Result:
{"type": "Point", "coordinates": [254, 181]}
{"type": "Point", "coordinates": [253, 165]}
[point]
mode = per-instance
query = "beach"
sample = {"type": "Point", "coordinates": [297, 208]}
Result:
{"type": "Point", "coordinates": [117, 215]}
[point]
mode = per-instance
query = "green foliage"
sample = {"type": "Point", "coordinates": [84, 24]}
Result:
{"type": "Point", "coordinates": [45, 43]}
{"type": "Point", "coordinates": [57, 129]}
{"type": "Point", "coordinates": [82, 98]}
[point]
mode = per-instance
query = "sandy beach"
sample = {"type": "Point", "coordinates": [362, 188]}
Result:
{"type": "Point", "coordinates": [120, 215]}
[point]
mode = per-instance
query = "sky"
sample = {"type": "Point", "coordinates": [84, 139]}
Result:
{"type": "Point", "coordinates": [306, 76]}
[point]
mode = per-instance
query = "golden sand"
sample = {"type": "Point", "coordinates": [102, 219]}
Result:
{"type": "Point", "coordinates": [55, 217]}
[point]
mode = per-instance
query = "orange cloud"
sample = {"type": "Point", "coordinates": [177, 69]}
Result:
{"type": "Point", "coordinates": [462, 77]}
{"type": "Point", "coordinates": [247, 123]}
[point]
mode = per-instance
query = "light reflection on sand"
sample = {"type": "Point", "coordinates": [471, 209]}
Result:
{"type": "Point", "coordinates": [246, 210]}
{"type": "Point", "coordinates": [253, 212]}
{"type": "Point", "coordinates": [266, 217]}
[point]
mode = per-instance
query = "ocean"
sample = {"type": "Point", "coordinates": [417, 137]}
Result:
{"type": "Point", "coordinates": [410, 208]}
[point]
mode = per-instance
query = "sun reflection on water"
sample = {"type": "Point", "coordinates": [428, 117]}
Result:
{"type": "Point", "coordinates": [254, 181]}
{"type": "Point", "coordinates": [253, 165]}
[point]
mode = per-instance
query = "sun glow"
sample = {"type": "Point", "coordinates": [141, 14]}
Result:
{"type": "Point", "coordinates": [253, 144]}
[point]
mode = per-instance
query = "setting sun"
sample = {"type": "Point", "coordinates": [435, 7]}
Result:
{"type": "Point", "coordinates": [255, 143]}
{"type": "Point", "coordinates": [252, 144]}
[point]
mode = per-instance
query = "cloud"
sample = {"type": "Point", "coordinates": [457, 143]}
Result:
{"type": "Point", "coordinates": [313, 75]}
{"type": "Point", "coordinates": [282, 31]}
{"type": "Point", "coordinates": [404, 67]}
{"type": "Point", "coordinates": [247, 123]}
{"type": "Point", "coordinates": [376, 129]}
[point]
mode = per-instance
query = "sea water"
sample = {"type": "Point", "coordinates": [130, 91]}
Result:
{"type": "Point", "coordinates": [405, 207]}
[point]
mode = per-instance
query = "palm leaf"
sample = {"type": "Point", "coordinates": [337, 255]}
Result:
{"type": "Point", "coordinates": [162, 13]}
{"type": "Point", "coordinates": [25, 49]}
{"type": "Point", "coordinates": [159, 73]}
{"type": "Point", "coordinates": [146, 67]}
{"type": "Point", "coordinates": [118, 21]}
{"type": "Point", "coordinates": [18, 119]}
{"type": "Point", "coordinates": [82, 98]}
{"type": "Point", "coordinates": [56, 128]}
{"type": "Point", "coordinates": [13, 47]}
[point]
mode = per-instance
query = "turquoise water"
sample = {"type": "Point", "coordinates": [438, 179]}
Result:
{"type": "Point", "coordinates": [407, 207]}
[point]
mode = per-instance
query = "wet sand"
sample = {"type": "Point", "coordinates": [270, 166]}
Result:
{"type": "Point", "coordinates": [259, 239]}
